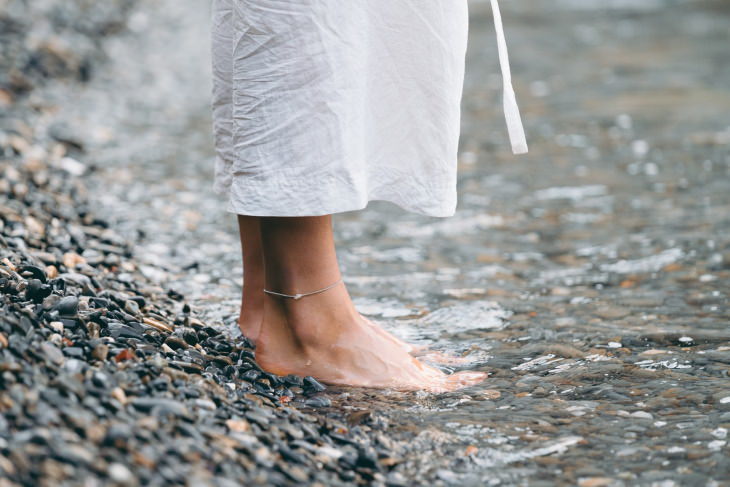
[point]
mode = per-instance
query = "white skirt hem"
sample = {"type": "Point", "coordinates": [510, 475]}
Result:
{"type": "Point", "coordinates": [328, 194]}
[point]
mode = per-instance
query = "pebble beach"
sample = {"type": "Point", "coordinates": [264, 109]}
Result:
{"type": "Point", "coordinates": [590, 279]}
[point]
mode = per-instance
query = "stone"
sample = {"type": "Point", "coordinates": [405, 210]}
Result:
{"type": "Point", "coordinates": [312, 385]}
{"type": "Point", "coordinates": [160, 406]}
{"type": "Point", "coordinates": [318, 402]}
{"type": "Point", "coordinates": [119, 473]}
{"type": "Point", "coordinates": [68, 306]}
{"type": "Point", "coordinates": [595, 482]}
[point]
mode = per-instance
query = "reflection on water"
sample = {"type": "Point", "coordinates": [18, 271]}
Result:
{"type": "Point", "coordinates": [589, 278]}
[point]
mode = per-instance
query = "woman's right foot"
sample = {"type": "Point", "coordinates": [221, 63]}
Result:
{"type": "Point", "coordinates": [325, 337]}
{"type": "Point", "coordinates": [409, 348]}
{"type": "Point", "coordinates": [420, 351]}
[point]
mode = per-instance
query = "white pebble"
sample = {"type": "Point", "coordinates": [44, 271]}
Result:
{"type": "Point", "coordinates": [651, 169]}
{"type": "Point", "coordinates": [57, 326]}
{"type": "Point", "coordinates": [716, 444]}
{"type": "Point", "coordinates": [624, 121]}
{"type": "Point", "coordinates": [642, 414]}
{"type": "Point", "coordinates": [72, 166]}
{"type": "Point", "coordinates": [120, 473]}
{"type": "Point", "coordinates": [330, 452]}
{"type": "Point", "coordinates": [719, 433]}
{"type": "Point", "coordinates": [640, 148]}
{"type": "Point", "coordinates": [614, 345]}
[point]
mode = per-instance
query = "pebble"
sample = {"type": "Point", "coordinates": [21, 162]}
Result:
{"type": "Point", "coordinates": [634, 324]}
{"type": "Point", "coordinates": [100, 352]}
{"type": "Point", "coordinates": [67, 306]}
{"type": "Point", "coordinates": [491, 394]}
{"type": "Point", "coordinates": [161, 406]}
{"type": "Point", "coordinates": [318, 402]}
{"type": "Point", "coordinates": [716, 444]}
{"type": "Point", "coordinates": [595, 482]}
{"type": "Point", "coordinates": [719, 433]}
{"type": "Point", "coordinates": [642, 415]}
{"type": "Point", "coordinates": [108, 360]}
{"type": "Point", "coordinates": [54, 354]}
{"type": "Point", "coordinates": [312, 385]}
{"type": "Point", "coordinates": [120, 473]}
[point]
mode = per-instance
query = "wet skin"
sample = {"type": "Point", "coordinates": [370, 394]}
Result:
{"type": "Point", "coordinates": [322, 335]}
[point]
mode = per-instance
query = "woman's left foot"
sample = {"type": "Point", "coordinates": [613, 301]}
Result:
{"type": "Point", "coordinates": [251, 315]}
{"type": "Point", "coordinates": [251, 329]}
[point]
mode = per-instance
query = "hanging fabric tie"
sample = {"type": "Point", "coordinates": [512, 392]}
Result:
{"type": "Point", "coordinates": [511, 111]}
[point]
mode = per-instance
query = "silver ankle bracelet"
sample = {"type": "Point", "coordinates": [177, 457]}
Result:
{"type": "Point", "coordinates": [301, 295]}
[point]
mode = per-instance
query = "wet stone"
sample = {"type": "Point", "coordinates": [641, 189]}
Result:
{"type": "Point", "coordinates": [160, 406]}
{"type": "Point", "coordinates": [53, 353]}
{"type": "Point", "coordinates": [119, 473]}
{"type": "Point", "coordinates": [100, 352]}
{"type": "Point", "coordinates": [603, 259]}
{"type": "Point", "coordinates": [176, 343]}
{"type": "Point", "coordinates": [189, 367]}
{"type": "Point", "coordinates": [318, 402]}
{"type": "Point", "coordinates": [190, 337]}
{"type": "Point", "coordinates": [312, 385]}
{"type": "Point", "coordinates": [220, 360]}
{"type": "Point", "coordinates": [251, 375]}
{"type": "Point", "coordinates": [293, 380]}
{"type": "Point", "coordinates": [75, 352]}
{"type": "Point", "coordinates": [131, 307]}
{"type": "Point", "coordinates": [119, 330]}
{"type": "Point", "coordinates": [32, 272]}
{"type": "Point", "coordinates": [36, 290]}
{"type": "Point", "coordinates": [68, 306]}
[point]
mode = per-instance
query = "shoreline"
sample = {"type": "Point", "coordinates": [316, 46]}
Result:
{"type": "Point", "coordinates": [100, 365]}
{"type": "Point", "coordinates": [107, 375]}
{"type": "Point", "coordinates": [591, 280]}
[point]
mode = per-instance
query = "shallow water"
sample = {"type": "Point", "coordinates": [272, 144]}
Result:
{"type": "Point", "coordinates": [589, 278]}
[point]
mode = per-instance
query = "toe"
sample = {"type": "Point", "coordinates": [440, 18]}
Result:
{"type": "Point", "coordinates": [443, 358]}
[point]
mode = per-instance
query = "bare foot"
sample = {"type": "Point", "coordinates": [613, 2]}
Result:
{"type": "Point", "coordinates": [438, 357]}
{"type": "Point", "coordinates": [250, 328]}
{"type": "Point", "coordinates": [325, 337]}
{"type": "Point", "coordinates": [252, 296]}
{"type": "Point", "coordinates": [420, 351]}
{"type": "Point", "coordinates": [409, 348]}
{"type": "Point", "coordinates": [251, 314]}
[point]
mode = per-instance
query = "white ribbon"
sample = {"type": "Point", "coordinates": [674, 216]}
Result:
{"type": "Point", "coordinates": [511, 111]}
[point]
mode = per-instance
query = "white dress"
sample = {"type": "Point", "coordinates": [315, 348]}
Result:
{"type": "Point", "coordinates": [320, 106]}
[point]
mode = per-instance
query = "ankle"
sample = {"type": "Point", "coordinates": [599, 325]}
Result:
{"type": "Point", "coordinates": [321, 323]}
{"type": "Point", "coordinates": [292, 283]}
{"type": "Point", "coordinates": [314, 320]}
{"type": "Point", "coordinates": [248, 319]}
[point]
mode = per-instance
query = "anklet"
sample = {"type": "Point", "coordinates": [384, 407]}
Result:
{"type": "Point", "coordinates": [301, 295]}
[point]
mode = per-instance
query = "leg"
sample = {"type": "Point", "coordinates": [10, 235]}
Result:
{"type": "Point", "coordinates": [252, 299]}
{"type": "Point", "coordinates": [249, 319]}
{"type": "Point", "coordinates": [323, 335]}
